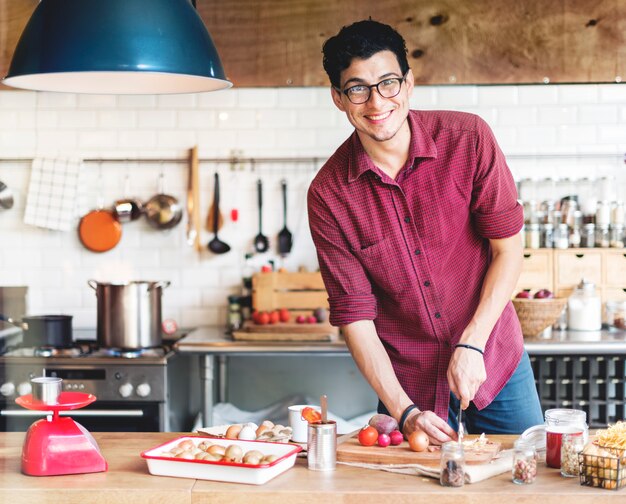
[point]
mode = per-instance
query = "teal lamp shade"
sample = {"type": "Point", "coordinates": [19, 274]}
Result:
{"type": "Point", "coordinates": [116, 47]}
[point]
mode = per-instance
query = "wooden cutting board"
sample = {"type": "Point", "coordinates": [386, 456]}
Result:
{"type": "Point", "coordinates": [351, 451]}
{"type": "Point", "coordinates": [286, 331]}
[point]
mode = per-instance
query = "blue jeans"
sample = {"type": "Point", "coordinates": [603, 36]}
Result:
{"type": "Point", "coordinates": [513, 410]}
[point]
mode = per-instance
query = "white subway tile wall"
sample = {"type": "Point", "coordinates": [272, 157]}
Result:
{"type": "Point", "coordinates": [300, 122]}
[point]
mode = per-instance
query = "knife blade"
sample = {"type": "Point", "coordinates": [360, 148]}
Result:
{"type": "Point", "coordinates": [461, 429]}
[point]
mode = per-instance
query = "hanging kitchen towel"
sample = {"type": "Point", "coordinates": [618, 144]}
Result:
{"type": "Point", "coordinates": [473, 472]}
{"type": "Point", "coordinates": [52, 193]}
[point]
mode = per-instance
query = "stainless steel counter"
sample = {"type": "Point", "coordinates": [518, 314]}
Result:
{"type": "Point", "coordinates": [214, 346]}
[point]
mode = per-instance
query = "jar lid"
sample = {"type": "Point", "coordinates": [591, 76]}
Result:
{"type": "Point", "coordinates": [535, 436]}
{"type": "Point", "coordinates": [586, 285]}
{"type": "Point", "coordinates": [565, 416]}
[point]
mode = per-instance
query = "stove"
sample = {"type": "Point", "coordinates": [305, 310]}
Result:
{"type": "Point", "coordinates": [138, 390]}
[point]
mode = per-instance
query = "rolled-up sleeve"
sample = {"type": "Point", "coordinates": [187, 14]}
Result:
{"type": "Point", "coordinates": [349, 290]}
{"type": "Point", "coordinates": [495, 210]}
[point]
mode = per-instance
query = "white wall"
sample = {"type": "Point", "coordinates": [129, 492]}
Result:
{"type": "Point", "coordinates": [301, 122]}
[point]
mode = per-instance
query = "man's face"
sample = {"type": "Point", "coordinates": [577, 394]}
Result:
{"type": "Point", "coordinates": [379, 118]}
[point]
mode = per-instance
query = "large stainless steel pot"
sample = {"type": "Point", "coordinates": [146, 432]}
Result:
{"type": "Point", "coordinates": [129, 314]}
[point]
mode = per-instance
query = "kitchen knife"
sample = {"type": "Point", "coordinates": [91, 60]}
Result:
{"type": "Point", "coordinates": [461, 430]}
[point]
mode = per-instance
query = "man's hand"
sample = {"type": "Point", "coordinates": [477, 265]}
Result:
{"type": "Point", "coordinates": [437, 429]}
{"type": "Point", "coordinates": [466, 373]}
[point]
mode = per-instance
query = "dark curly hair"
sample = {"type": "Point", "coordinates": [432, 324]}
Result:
{"type": "Point", "coordinates": [361, 40]}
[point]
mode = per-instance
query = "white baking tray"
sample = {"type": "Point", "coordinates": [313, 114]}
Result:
{"type": "Point", "coordinates": [161, 465]}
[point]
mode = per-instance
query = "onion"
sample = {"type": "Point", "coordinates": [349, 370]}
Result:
{"type": "Point", "coordinates": [418, 441]}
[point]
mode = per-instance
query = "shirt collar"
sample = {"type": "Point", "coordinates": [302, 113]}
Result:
{"type": "Point", "coordinates": [422, 146]}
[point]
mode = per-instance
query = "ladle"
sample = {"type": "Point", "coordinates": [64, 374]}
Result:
{"type": "Point", "coordinates": [285, 238]}
{"type": "Point", "coordinates": [216, 245]}
{"type": "Point", "coordinates": [261, 243]}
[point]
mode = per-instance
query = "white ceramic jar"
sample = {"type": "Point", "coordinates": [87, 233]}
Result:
{"type": "Point", "coordinates": [584, 308]}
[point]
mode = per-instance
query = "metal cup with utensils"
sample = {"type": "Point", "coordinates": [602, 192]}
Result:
{"type": "Point", "coordinates": [46, 389]}
{"type": "Point", "coordinates": [322, 446]}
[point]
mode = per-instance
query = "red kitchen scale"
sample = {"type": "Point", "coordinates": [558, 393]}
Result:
{"type": "Point", "coordinates": [58, 445]}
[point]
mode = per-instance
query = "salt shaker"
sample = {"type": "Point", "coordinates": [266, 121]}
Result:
{"type": "Point", "coordinates": [524, 462]}
{"type": "Point", "coordinates": [452, 464]}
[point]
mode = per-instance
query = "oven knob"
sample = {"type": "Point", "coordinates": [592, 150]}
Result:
{"type": "Point", "coordinates": [143, 390]}
{"type": "Point", "coordinates": [7, 389]}
{"type": "Point", "coordinates": [24, 388]}
{"type": "Point", "coordinates": [126, 390]}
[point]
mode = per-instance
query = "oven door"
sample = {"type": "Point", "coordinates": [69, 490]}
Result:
{"type": "Point", "coordinates": [101, 416]}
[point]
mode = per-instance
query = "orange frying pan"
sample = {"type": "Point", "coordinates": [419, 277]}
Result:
{"type": "Point", "coordinates": [99, 230]}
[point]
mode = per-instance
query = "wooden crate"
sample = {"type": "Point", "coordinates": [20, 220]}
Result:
{"type": "Point", "coordinates": [298, 292]}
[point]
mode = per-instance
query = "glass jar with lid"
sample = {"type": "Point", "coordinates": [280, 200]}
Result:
{"type": "Point", "coordinates": [547, 236]}
{"type": "Point", "coordinates": [452, 464]}
{"type": "Point", "coordinates": [616, 236]}
{"type": "Point", "coordinates": [561, 236]}
{"type": "Point", "coordinates": [602, 237]}
{"type": "Point", "coordinates": [561, 421]}
{"type": "Point", "coordinates": [616, 314]}
{"type": "Point", "coordinates": [588, 237]}
{"type": "Point", "coordinates": [524, 462]}
{"type": "Point", "coordinates": [584, 308]}
{"type": "Point", "coordinates": [533, 236]}
{"type": "Point", "coordinates": [572, 444]}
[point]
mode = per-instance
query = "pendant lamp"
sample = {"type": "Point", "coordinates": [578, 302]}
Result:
{"type": "Point", "coordinates": [116, 47]}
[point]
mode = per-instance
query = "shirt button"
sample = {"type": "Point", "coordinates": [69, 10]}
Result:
{"type": "Point", "coordinates": [407, 219]}
{"type": "Point", "coordinates": [427, 283]}
{"type": "Point", "coordinates": [418, 251]}
{"type": "Point", "coordinates": [437, 315]}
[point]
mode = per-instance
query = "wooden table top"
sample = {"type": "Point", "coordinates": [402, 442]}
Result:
{"type": "Point", "coordinates": [128, 481]}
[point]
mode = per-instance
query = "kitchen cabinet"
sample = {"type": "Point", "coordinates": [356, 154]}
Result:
{"type": "Point", "coordinates": [561, 270]}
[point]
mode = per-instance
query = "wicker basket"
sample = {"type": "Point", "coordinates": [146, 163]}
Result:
{"type": "Point", "coordinates": [536, 315]}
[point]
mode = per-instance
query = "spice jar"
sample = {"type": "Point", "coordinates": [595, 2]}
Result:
{"type": "Point", "coordinates": [571, 445]}
{"type": "Point", "coordinates": [588, 238]}
{"type": "Point", "coordinates": [561, 236]}
{"type": "Point", "coordinates": [602, 237]}
{"type": "Point", "coordinates": [616, 314]}
{"type": "Point", "coordinates": [524, 462]}
{"type": "Point", "coordinates": [452, 464]}
{"type": "Point", "coordinates": [584, 308]}
{"type": "Point", "coordinates": [616, 236]}
{"type": "Point", "coordinates": [234, 313]}
{"type": "Point", "coordinates": [533, 236]}
{"type": "Point", "coordinates": [547, 236]}
{"type": "Point", "coordinates": [561, 421]}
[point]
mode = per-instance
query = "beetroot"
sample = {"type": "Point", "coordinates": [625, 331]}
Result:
{"type": "Point", "coordinates": [384, 424]}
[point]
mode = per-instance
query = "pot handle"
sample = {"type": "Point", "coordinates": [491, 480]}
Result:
{"type": "Point", "coordinates": [13, 322]}
{"type": "Point", "coordinates": [93, 284]}
{"type": "Point", "coordinates": [163, 284]}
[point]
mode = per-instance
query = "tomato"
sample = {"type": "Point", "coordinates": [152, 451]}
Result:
{"type": "Point", "coordinates": [310, 415]}
{"type": "Point", "coordinates": [368, 436]}
{"type": "Point", "coordinates": [285, 315]}
{"type": "Point", "coordinates": [418, 441]}
{"type": "Point", "coordinates": [263, 318]}
{"type": "Point", "coordinates": [255, 317]}
{"type": "Point", "coordinates": [274, 317]}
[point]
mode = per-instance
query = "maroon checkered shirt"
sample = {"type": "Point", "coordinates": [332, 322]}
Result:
{"type": "Point", "coordinates": [411, 254]}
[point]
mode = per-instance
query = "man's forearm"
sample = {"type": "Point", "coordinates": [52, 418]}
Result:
{"type": "Point", "coordinates": [372, 360]}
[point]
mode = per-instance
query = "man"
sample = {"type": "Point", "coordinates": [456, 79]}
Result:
{"type": "Point", "coordinates": [415, 219]}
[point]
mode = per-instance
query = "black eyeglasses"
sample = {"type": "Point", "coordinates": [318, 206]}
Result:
{"type": "Point", "coordinates": [387, 88]}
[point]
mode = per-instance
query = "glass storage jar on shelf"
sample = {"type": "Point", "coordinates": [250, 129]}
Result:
{"type": "Point", "coordinates": [602, 237]}
{"type": "Point", "coordinates": [584, 308]}
{"type": "Point", "coordinates": [524, 462]}
{"type": "Point", "coordinates": [561, 236]}
{"type": "Point", "coordinates": [533, 236]}
{"type": "Point", "coordinates": [588, 237]}
{"type": "Point", "coordinates": [547, 236]}
{"type": "Point", "coordinates": [616, 236]}
{"type": "Point", "coordinates": [616, 314]}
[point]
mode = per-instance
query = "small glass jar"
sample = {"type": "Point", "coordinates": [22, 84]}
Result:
{"type": "Point", "coordinates": [234, 313]}
{"type": "Point", "coordinates": [617, 213]}
{"type": "Point", "coordinates": [603, 213]}
{"type": "Point", "coordinates": [547, 236]}
{"type": "Point", "coordinates": [524, 462]}
{"type": "Point", "coordinates": [616, 314]}
{"type": "Point", "coordinates": [452, 464]}
{"type": "Point", "coordinates": [533, 236]}
{"type": "Point", "coordinates": [588, 237]}
{"type": "Point", "coordinates": [575, 237]}
{"type": "Point", "coordinates": [561, 236]}
{"type": "Point", "coordinates": [616, 236]}
{"type": "Point", "coordinates": [602, 237]}
{"type": "Point", "coordinates": [572, 444]}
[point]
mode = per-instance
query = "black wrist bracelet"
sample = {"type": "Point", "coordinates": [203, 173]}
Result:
{"type": "Point", "coordinates": [471, 347]}
{"type": "Point", "coordinates": [404, 416]}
